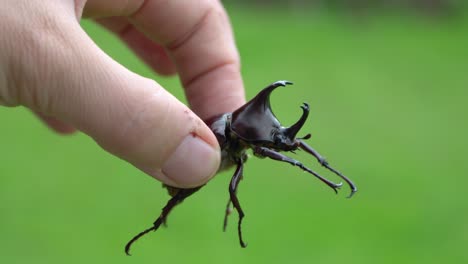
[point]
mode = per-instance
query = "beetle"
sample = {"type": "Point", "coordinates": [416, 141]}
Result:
{"type": "Point", "coordinates": [252, 126]}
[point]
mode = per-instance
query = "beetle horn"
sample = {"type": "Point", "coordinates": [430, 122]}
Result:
{"type": "Point", "coordinates": [262, 100]}
{"type": "Point", "coordinates": [256, 118]}
{"type": "Point", "coordinates": [292, 131]}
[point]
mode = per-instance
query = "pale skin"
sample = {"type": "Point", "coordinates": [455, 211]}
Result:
{"type": "Point", "coordinates": [49, 65]}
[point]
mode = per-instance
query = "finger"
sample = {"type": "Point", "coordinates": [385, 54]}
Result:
{"type": "Point", "coordinates": [202, 46]}
{"type": "Point", "coordinates": [63, 74]}
{"type": "Point", "coordinates": [151, 53]}
{"type": "Point", "coordinates": [57, 125]}
{"type": "Point", "coordinates": [198, 38]}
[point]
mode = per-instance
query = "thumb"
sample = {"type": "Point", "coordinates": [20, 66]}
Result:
{"type": "Point", "coordinates": [66, 76]}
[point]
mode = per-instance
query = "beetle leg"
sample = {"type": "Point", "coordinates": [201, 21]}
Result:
{"type": "Point", "coordinates": [233, 197]}
{"type": "Point", "coordinates": [228, 205]}
{"type": "Point", "coordinates": [266, 152]}
{"type": "Point", "coordinates": [324, 163]}
{"type": "Point", "coordinates": [226, 214]}
{"type": "Point", "coordinates": [175, 200]}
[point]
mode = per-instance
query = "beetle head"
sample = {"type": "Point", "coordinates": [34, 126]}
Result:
{"type": "Point", "coordinates": [255, 122]}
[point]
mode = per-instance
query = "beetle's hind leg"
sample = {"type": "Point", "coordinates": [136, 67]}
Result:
{"type": "Point", "coordinates": [325, 164]}
{"type": "Point", "coordinates": [226, 214]}
{"type": "Point", "coordinates": [266, 152]}
{"type": "Point", "coordinates": [236, 178]}
{"type": "Point", "coordinates": [178, 197]}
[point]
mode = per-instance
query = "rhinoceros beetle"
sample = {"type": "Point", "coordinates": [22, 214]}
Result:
{"type": "Point", "coordinates": [252, 126]}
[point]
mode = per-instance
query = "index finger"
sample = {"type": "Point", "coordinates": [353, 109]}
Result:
{"type": "Point", "coordinates": [198, 37]}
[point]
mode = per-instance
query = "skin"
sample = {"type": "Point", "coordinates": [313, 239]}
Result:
{"type": "Point", "coordinates": [49, 65]}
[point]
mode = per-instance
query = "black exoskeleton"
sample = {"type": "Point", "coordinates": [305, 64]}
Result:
{"type": "Point", "coordinates": [252, 126]}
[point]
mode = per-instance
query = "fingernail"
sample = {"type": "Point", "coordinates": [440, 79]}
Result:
{"type": "Point", "coordinates": [193, 163]}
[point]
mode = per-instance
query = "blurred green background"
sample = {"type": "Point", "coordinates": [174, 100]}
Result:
{"type": "Point", "coordinates": [388, 95]}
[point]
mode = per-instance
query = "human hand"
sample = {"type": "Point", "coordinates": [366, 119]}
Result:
{"type": "Point", "coordinates": [50, 65]}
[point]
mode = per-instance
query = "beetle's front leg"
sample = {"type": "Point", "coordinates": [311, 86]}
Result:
{"type": "Point", "coordinates": [266, 152]}
{"type": "Point", "coordinates": [178, 197]}
{"type": "Point", "coordinates": [233, 198]}
{"type": "Point", "coordinates": [325, 164]}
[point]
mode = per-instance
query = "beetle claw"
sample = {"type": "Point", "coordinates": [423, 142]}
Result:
{"type": "Point", "coordinates": [325, 164]}
{"type": "Point", "coordinates": [339, 185]}
{"type": "Point", "coordinates": [336, 186]}
{"type": "Point", "coordinates": [353, 191]}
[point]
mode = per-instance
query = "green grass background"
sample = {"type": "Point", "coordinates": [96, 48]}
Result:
{"type": "Point", "coordinates": [388, 98]}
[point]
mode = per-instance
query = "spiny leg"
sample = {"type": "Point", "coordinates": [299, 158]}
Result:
{"type": "Point", "coordinates": [226, 214]}
{"type": "Point", "coordinates": [175, 200]}
{"type": "Point", "coordinates": [228, 205]}
{"type": "Point", "coordinates": [233, 197]}
{"type": "Point", "coordinates": [266, 152]}
{"type": "Point", "coordinates": [325, 164]}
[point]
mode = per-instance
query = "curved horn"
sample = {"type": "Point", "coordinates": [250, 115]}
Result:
{"type": "Point", "coordinates": [292, 131]}
{"type": "Point", "coordinates": [256, 119]}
